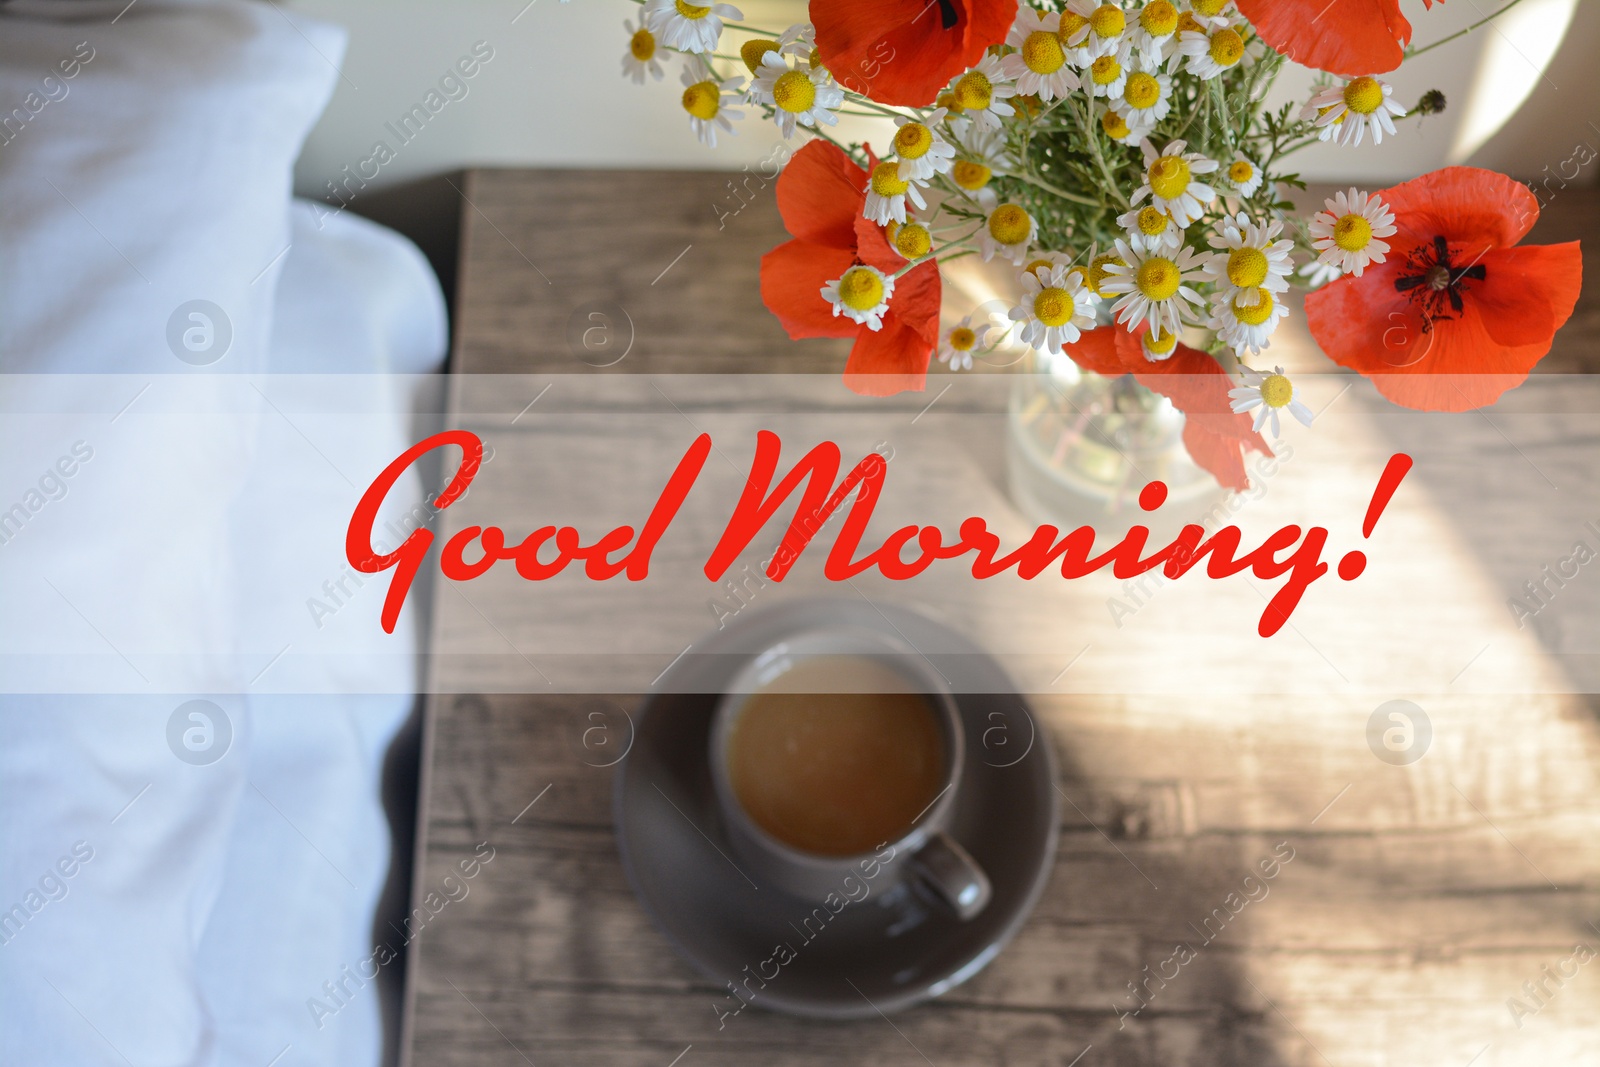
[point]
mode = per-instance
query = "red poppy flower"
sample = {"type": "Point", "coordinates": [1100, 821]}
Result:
{"type": "Point", "coordinates": [1216, 437]}
{"type": "Point", "coordinates": [1348, 37]}
{"type": "Point", "coordinates": [821, 194]}
{"type": "Point", "coordinates": [904, 51]}
{"type": "Point", "coordinates": [1455, 315]}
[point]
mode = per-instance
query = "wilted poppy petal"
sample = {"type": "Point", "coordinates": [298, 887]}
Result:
{"type": "Point", "coordinates": [904, 51]}
{"type": "Point", "coordinates": [1214, 435]}
{"type": "Point", "coordinates": [792, 277]}
{"type": "Point", "coordinates": [1475, 208]}
{"type": "Point", "coordinates": [1096, 351]}
{"type": "Point", "coordinates": [916, 301]}
{"type": "Point", "coordinates": [1348, 37]}
{"type": "Point", "coordinates": [888, 361]}
{"type": "Point", "coordinates": [820, 192]}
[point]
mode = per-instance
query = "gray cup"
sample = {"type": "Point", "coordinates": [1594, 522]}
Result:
{"type": "Point", "coordinates": [925, 853]}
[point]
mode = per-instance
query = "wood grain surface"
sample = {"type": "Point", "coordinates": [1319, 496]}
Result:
{"type": "Point", "coordinates": [1420, 898]}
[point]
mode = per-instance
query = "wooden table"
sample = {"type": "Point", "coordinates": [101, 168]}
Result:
{"type": "Point", "coordinates": [1420, 898]}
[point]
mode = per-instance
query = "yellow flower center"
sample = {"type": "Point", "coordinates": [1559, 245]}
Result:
{"type": "Point", "coordinates": [1036, 266]}
{"type": "Point", "coordinates": [1277, 391]}
{"type": "Point", "coordinates": [1247, 267]}
{"type": "Point", "coordinates": [860, 289]}
{"type": "Point", "coordinates": [1210, 8]}
{"type": "Point", "coordinates": [1152, 221]}
{"type": "Point", "coordinates": [1158, 18]}
{"type": "Point", "coordinates": [1240, 172]}
{"type": "Point", "coordinates": [973, 92]}
{"type": "Point", "coordinates": [1108, 20]}
{"type": "Point", "coordinates": [692, 11]}
{"type": "Point", "coordinates": [1169, 177]}
{"type": "Point", "coordinates": [886, 180]}
{"type": "Point", "coordinates": [1071, 23]}
{"type": "Point", "coordinates": [1098, 272]}
{"type": "Point", "coordinates": [1053, 307]}
{"type": "Point", "coordinates": [643, 46]}
{"type": "Point", "coordinates": [1363, 95]}
{"type": "Point", "coordinates": [815, 59]}
{"type": "Point", "coordinates": [1352, 232]}
{"type": "Point", "coordinates": [1227, 47]}
{"type": "Point", "coordinates": [793, 92]}
{"type": "Point", "coordinates": [1187, 23]}
{"type": "Point", "coordinates": [1142, 90]}
{"type": "Point", "coordinates": [963, 338]}
{"type": "Point", "coordinates": [1105, 70]}
{"type": "Point", "coordinates": [1254, 314]}
{"type": "Point", "coordinates": [969, 175]}
{"type": "Point", "coordinates": [1042, 52]}
{"type": "Point", "coordinates": [947, 100]}
{"type": "Point", "coordinates": [702, 100]}
{"type": "Point", "coordinates": [1114, 125]}
{"type": "Point", "coordinates": [754, 50]}
{"type": "Point", "coordinates": [1158, 278]}
{"type": "Point", "coordinates": [1009, 224]}
{"type": "Point", "coordinates": [1160, 343]}
{"type": "Point", "coordinates": [913, 140]}
{"type": "Point", "coordinates": [913, 240]}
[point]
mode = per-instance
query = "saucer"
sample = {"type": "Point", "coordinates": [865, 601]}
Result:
{"type": "Point", "coordinates": [888, 948]}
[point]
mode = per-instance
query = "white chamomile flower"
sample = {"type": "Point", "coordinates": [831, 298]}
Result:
{"type": "Point", "coordinates": [1248, 260]}
{"type": "Point", "coordinates": [806, 97]}
{"type": "Point", "coordinates": [1153, 28]}
{"type": "Point", "coordinates": [1103, 27]}
{"type": "Point", "coordinates": [960, 342]}
{"type": "Point", "coordinates": [1153, 286]}
{"type": "Point", "coordinates": [920, 148]}
{"type": "Point", "coordinates": [1244, 176]}
{"type": "Point", "coordinates": [1043, 262]}
{"type": "Point", "coordinates": [641, 57]}
{"type": "Point", "coordinates": [1039, 65]}
{"type": "Point", "coordinates": [1099, 269]}
{"type": "Point", "coordinates": [1266, 395]}
{"type": "Point", "coordinates": [1170, 182]}
{"type": "Point", "coordinates": [706, 100]}
{"type": "Point", "coordinates": [1067, 27]}
{"type": "Point", "coordinates": [1108, 74]}
{"type": "Point", "coordinates": [1210, 51]}
{"type": "Point", "coordinates": [1317, 273]}
{"type": "Point", "coordinates": [1348, 234]}
{"type": "Point", "coordinates": [1158, 345]}
{"type": "Point", "coordinates": [912, 240]}
{"type": "Point", "coordinates": [981, 93]}
{"type": "Point", "coordinates": [1118, 130]}
{"type": "Point", "coordinates": [1145, 99]}
{"type": "Point", "coordinates": [888, 189]}
{"type": "Point", "coordinates": [981, 155]}
{"type": "Point", "coordinates": [861, 294]}
{"type": "Point", "coordinates": [1150, 229]}
{"type": "Point", "coordinates": [795, 41]}
{"type": "Point", "coordinates": [1347, 113]}
{"type": "Point", "coordinates": [1008, 231]}
{"type": "Point", "coordinates": [688, 27]}
{"type": "Point", "coordinates": [1213, 12]}
{"type": "Point", "coordinates": [1055, 309]}
{"type": "Point", "coordinates": [1246, 327]}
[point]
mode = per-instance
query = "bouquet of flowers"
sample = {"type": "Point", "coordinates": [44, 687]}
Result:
{"type": "Point", "coordinates": [1122, 157]}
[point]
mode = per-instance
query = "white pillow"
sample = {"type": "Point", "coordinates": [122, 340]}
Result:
{"type": "Point", "coordinates": [148, 167]}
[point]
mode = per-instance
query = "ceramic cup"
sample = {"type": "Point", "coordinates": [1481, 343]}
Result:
{"type": "Point", "coordinates": [925, 852]}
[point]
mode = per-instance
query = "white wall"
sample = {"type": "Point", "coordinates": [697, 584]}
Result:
{"type": "Point", "coordinates": [553, 95]}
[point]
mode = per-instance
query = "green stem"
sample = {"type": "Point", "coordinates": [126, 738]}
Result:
{"type": "Point", "coordinates": [1053, 191]}
{"type": "Point", "coordinates": [1411, 52]}
{"type": "Point", "coordinates": [1091, 135]}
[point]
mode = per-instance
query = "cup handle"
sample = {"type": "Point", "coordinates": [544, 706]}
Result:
{"type": "Point", "coordinates": [951, 872]}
